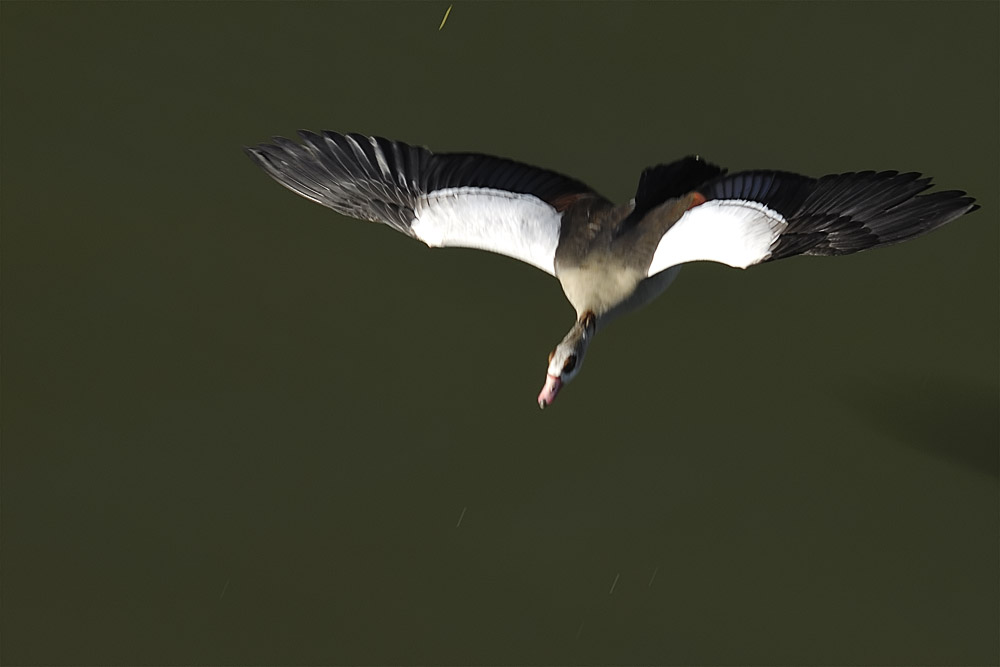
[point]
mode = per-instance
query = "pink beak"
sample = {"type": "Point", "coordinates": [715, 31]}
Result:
{"type": "Point", "coordinates": [549, 391]}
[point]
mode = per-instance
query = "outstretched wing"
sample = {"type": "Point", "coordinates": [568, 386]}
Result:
{"type": "Point", "coordinates": [450, 199]}
{"type": "Point", "coordinates": [757, 216]}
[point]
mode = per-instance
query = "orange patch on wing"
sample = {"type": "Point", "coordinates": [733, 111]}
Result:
{"type": "Point", "coordinates": [564, 201]}
{"type": "Point", "coordinates": [697, 199]}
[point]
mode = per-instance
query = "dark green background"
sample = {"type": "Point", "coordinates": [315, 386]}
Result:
{"type": "Point", "coordinates": [238, 428]}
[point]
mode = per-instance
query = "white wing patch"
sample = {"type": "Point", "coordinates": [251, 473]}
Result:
{"type": "Point", "coordinates": [734, 232]}
{"type": "Point", "coordinates": [517, 225]}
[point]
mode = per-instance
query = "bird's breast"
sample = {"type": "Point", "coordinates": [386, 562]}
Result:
{"type": "Point", "coordinates": [598, 286]}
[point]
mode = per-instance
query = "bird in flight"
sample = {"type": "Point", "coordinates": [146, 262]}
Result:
{"type": "Point", "coordinates": [610, 258]}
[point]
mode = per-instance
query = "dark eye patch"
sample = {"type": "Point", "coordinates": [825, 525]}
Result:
{"type": "Point", "coordinates": [570, 364]}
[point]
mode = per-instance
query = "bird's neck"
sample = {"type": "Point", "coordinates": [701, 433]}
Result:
{"type": "Point", "coordinates": [582, 332]}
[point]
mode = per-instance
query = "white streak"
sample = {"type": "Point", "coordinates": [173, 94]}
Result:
{"type": "Point", "coordinates": [380, 158]}
{"type": "Point", "coordinates": [614, 584]}
{"type": "Point", "coordinates": [734, 232]}
{"type": "Point", "coordinates": [517, 225]}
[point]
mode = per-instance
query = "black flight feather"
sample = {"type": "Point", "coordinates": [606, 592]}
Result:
{"type": "Point", "coordinates": [841, 214]}
{"type": "Point", "coordinates": [376, 179]}
{"type": "Point", "coordinates": [667, 181]}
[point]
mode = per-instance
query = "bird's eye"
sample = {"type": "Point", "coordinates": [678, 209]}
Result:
{"type": "Point", "coordinates": [570, 364]}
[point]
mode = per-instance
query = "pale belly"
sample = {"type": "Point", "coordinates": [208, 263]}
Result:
{"type": "Point", "coordinates": [610, 293]}
{"type": "Point", "coordinates": [598, 288]}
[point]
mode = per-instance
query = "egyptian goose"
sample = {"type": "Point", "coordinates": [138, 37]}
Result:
{"type": "Point", "coordinates": [609, 258]}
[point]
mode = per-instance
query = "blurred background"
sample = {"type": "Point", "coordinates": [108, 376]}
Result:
{"type": "Point", "coordinates": [239, 428]}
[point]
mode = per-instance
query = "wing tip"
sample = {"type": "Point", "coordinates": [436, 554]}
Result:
{"type": "Point", "coordinates": [255, 153]}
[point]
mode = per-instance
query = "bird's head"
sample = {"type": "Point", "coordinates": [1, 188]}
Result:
{"type": "Point", "coordinates": [566, 360]}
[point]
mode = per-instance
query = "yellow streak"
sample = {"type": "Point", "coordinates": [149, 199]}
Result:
{"type": "Point", "coordinates": [448, 11]}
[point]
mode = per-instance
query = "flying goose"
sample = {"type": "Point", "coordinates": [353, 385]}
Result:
{"type": "Point", "coordinates": [610, 259]}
